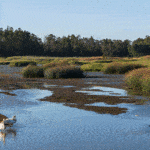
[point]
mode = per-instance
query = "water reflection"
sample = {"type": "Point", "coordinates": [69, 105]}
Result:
{"type": "Point", "coordinates": [60, 86]}
{"type": "Point", "coordinates": [98, 90]}
{"type": "Point", "coordinates": [49, 86]}
{"type": "Point", "coordinates": [7, 133]}
{"type": "Point", "coordinates": [61, 127]}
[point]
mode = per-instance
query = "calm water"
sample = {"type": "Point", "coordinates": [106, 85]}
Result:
{"type": "Point", "coordinates": [104, 91]}
{"type": "Point", "coordinates": [46, 125]}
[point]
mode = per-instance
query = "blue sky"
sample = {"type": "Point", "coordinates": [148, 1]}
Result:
{"type": "Point", "coordinates": [114, 19]}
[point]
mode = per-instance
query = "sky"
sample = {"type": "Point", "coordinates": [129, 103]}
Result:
{"type": "Point", "coordinates": [112, 19]}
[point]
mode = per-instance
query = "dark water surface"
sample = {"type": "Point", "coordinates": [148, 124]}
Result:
{"type": "Point", "coordinates": [46, 125]}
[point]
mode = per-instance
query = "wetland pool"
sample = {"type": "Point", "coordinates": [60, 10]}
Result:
{"type": "Point", "coordinates": [47, 125]}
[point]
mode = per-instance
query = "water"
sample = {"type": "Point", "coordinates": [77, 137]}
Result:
{"type": "Point", "coordinates": [45, 125]}
{"type": "Point", "coordinates": [104, 91]}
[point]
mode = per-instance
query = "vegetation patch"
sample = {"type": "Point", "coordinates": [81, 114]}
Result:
{"type": "Point", "coordinates": [92, 67]}
{"type": "Point", "coordinates": [32, 71]}
{"type": "Point", "coordinates": [63, 72]}
{"type": "Point", "coordinates": [139, 80]}
{"type": "Point", "coordinates": [56, 63]}
{"type": "Point", "coordinates": [21, 63]}
{"type": "Point", "coordinates": [120, 68]}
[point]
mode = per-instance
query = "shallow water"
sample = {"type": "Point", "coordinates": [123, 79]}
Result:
{"type": "Point", "coordinates": [104, 91]}
{"type": "Point", "coordinates": [46, 125]}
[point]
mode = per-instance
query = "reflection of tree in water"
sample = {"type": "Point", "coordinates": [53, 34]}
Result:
{"type": "Point", "coordinates": [9, 133]}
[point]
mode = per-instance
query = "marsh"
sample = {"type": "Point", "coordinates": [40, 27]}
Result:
{"type": "Point", "coordinates": [51, 114]}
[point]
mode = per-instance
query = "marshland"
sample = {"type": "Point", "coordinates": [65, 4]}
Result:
{"type": "Point", "coordinates": [75, 102]}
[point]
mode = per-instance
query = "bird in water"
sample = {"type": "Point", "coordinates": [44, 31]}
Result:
{"type": "Point", "coordinates": [7, 122]}
{"type": "Point", "coordinates": [10, 121]}
{"type": "Point", "coordinates": [2, 125]}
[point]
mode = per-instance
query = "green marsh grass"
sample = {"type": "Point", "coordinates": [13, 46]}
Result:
{"type": "Point", "coordinates": [139, 80]}
{"type": "Point", "coordinates": [63, 72]}
{"type": "Point", "coordinates": [120, 68]}
{"type": "Point", "coordinates": [92, 67]}
{"type": "Point", "coordinates": [32, 71]}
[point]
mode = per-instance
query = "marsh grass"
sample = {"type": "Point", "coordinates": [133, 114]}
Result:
{"type": "Point", "coordinates": [63, 72]}
{"type": "Point", "coordinates": [139, 80]}
{"type": "Point", "coordinates": [120, 68]}
{"type": "Point", "coordinates": [32, 71]}
{"type": "Point", "coordinates": [21, 63]}
{"type": "Point", "coordinates": [62, 62]}
{"type": "Point", "coordinates": [92, 67]}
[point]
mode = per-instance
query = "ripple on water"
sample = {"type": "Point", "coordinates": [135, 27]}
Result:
{"type": "Point", "coordinates": [60, 127]}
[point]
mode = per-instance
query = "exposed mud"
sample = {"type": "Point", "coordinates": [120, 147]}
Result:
{"type": "Point", "coordinates": [7, 93]}
{"type": "Point", "coordinates": [101, 110]}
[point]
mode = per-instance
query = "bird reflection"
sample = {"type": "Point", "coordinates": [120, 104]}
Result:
{"type": "Point", "coordinates": [7, 133]}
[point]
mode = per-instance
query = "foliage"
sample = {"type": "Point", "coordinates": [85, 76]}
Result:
{"type": "Point", "coordinates": [63, 72]}
{"type": "Point", "coordinates": [19, 43]}
{"type": "Point", "coordinates": [23, 43]}
{"type": "Point", "coordinates": [140, 47]}
{"type": "Point", "coordinates": [120, 68]}
{"type": "Point", "coordinates": [32, 71]}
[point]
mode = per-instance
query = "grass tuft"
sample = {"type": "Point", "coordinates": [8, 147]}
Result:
{"type": "Point", "coordinates": [63, 72]}
{"type": "Point", "coordinates": [32, 71]}
{"type": "Point", "coordinates": [139, 80]}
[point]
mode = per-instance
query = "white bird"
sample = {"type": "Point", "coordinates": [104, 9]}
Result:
{"type": "Point", "coordinates": [10, 121]}
{"type": "Point", "coordinates": [2, 125]}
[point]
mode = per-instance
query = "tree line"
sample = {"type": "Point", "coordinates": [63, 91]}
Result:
{"type": "Point", "coordinates": [23, 43]}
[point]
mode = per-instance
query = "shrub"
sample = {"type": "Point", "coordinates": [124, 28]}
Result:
{"type": "Point", "coordinates": [21, 63]}
{"type": "Point", "coordinates": [33, 72]}
{"type": "Point", "coordinates": [120, 68]}
{"type": "Point", "coordinates": [63, 72]}
{"type": "Point", "coordinates": [139, 80]}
